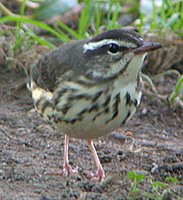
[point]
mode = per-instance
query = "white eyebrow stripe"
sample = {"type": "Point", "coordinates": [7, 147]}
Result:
{"type": "Point", "coordinates": [95, 45]}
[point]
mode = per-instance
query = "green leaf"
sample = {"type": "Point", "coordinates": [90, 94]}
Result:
{"type": "Point", "coordinates": [158, 184]}
{"type": "Point", "coordinates": [171, 179]}
{"type": "Point", "coordinates": [132, 175]}
{"type": "Point", "coordinates": [140, 177]}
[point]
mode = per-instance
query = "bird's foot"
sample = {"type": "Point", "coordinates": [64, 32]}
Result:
{"type": "Point", "coordinates": [98, 176]}
{"type": "Point", "coordinates": [68, 170]}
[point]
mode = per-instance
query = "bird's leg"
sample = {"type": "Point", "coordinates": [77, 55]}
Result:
{"type": "Point", "coordinates": [100, 174]}
{"type": "Point", "coordinates": [67, 169]}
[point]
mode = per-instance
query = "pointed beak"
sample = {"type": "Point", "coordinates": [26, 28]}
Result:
{"type": "Point", "coordinates": [146, 47]}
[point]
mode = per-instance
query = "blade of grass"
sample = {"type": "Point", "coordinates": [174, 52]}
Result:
{"type": "Point", "coordinates": [178, 90]}
{"type": "Point", "coordinates": [63, 37]}
{"type": "Point", "coordinates": [68, 30]}
{"type": "Point", "coordinates": [98, 17]}
{"type": "Point", "coordinates": [5, 10]}
{"type": "Point", "coordinates": [19, 37]}
{"type": "Point", "coordinates": [163, 12]}
{"type": "Point", "coordinates": [169, 7]}
{"type": "Point", "coordinates": [109, 12]}
{"type": "Point", "coordinates": [40, 40]}
{"type": "Point", "coordinates": [22, 8]}
{"type": "Point", "coordinates": [179, 23]}
{"type": "Point", "coordinates": [86, 18]}
{"type": "Point", "coordinates": [140, 26]}
{"type": "Point", "coordinates": [115, 16]}
{"type": "Point", "coordinates": [154, 18]}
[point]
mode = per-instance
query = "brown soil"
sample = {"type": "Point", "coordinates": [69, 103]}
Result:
{"type": "Point", "coordinates": [150, 143]}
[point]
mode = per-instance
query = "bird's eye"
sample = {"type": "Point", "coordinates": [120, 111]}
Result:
{"type": "Point", "coordinates": [113, 48]}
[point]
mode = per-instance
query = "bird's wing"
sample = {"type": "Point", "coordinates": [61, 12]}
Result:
{"type": "Point", "coordinates": [57, 64]}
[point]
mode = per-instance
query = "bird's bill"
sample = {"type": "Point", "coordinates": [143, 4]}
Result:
{"type": "Point", "coordinates": [146, 47]}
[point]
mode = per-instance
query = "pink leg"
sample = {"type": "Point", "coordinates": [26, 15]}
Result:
{"type": "Point", "coordinates": [67, 169]}
{"type": "Point", "coordinates": [100, 174]}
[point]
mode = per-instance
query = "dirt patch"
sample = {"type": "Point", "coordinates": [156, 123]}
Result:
{"type": "Point", "coordinates": [151, 143]}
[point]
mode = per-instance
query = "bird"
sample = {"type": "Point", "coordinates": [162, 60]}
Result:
{"type": "Point", "coordinates": [88, 88]}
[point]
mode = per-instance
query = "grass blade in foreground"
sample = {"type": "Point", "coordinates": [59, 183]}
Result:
{"type": "Point", "coordinates": [63, 37]}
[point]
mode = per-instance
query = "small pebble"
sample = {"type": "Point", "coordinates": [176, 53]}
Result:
{"type": "Point", "coordinates": [120, 152]}
{"type": "Point", "coordinates": [166, 195]}
{"type": "Point", "coordinates": [106, 159]}
{"type": "Point", "coordinates": [144, 111]}
{"type": "Point", "coordinates": [119, 136]}
{"type": "Point", "coordinates": [107, 151]}
{"type": "Point", "coordinates": [155, 168]}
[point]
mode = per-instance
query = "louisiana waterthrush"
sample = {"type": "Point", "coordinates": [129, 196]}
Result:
{"type": "Point", "coordinates": [89, 88]}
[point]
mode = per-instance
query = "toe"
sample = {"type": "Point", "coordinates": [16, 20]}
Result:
{"type": "Point", "coordinates": [68, 170]}
{"type": "Point", "coordinates": [98, 176]}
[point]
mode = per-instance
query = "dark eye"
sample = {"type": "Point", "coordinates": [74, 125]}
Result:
{"type": "Point", "coordinates": [113, 48]}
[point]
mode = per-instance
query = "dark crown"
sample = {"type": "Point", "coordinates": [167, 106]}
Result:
{"type": "Point", "coordinates": [123, 35]}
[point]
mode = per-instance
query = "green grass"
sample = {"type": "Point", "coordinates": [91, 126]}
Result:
{"type": "Point", "coordinates": [140, 184]}
{"type": "Point", "coordinates": [168, 17]}
{"type": "Point", "coordinates": [90, 21]}
{"type": "Point", "coordinates": [177, 93]}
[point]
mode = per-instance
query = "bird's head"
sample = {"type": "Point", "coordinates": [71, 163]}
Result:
{"type": "Point", "coordinates": [114, 52]}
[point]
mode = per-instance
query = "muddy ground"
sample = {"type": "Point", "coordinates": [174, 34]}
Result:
{"type": "Point", "coordinates": [151, 143]}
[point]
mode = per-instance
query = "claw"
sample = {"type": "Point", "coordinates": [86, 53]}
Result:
{"type": "Point", "coordinates": [67, 170]}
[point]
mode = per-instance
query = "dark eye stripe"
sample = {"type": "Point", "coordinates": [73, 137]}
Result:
{"type": "Point", "coordinates": [123, 48]}
{"type": "Point", "coordinates": [103, 50]}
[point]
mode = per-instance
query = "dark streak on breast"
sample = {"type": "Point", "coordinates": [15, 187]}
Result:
{"type": "Point", "coordinates": [94, 107]}
{"type": "Point", "coordinates": [66, 108]}
{"type": "Point", "coordinates": [135, 102]}
{"type": "Point", "coordinates": [80, 114]}
{"type": "Point", "coordinates": [59, 94]}
{"type": "Point", "coordinates": [70, 121]}
{"type": "Point", "coordinates": [96, 96]}
{"type": "Point", "coordinates": [117, 100]}
{"type": "Point", "coordinates": [97, 115]}
{"type": "Point", "coordinates": [107, 101]}
{"type": "Point", "coordinates": [106, 108]}
{"type": "Point", "coordinates": [85, 96]}
{"type": "Point", "coordinates": [128, 99]}
{"type": "Point", "coordinates": [127, 116]}
{"type": "Point", "coordinates": [49, 120]}
{"type": "Point", "coordinates": [78, 97]}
